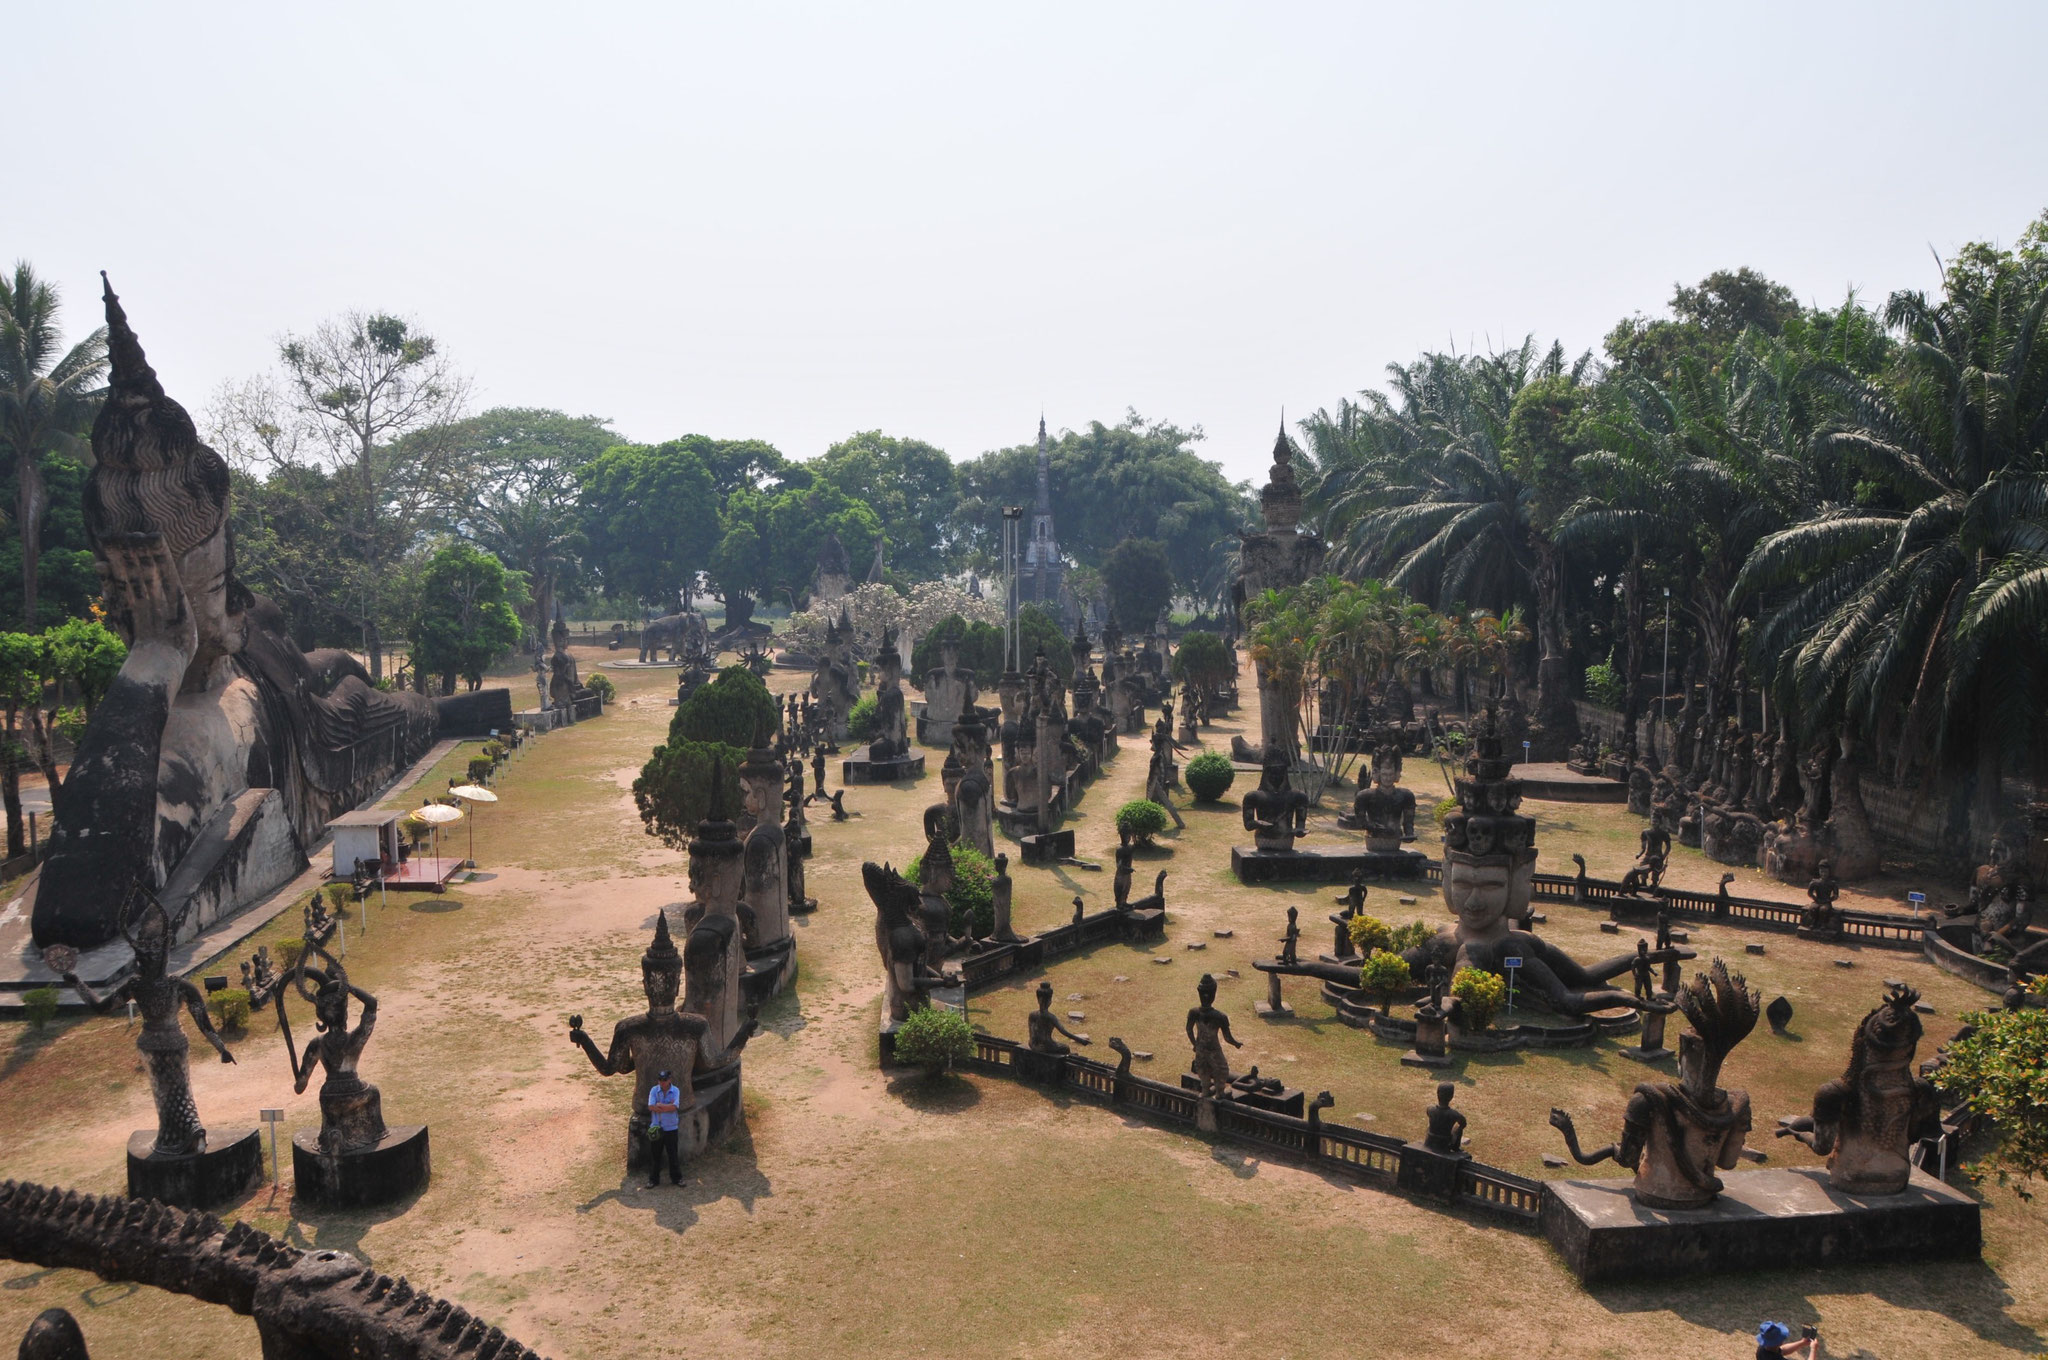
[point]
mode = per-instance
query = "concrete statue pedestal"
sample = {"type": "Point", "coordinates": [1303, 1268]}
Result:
{"type": "Point", "coordinates": [1425, 1171]}
{"type": "Point", "coordinates": [1432, 1040]}
{"type": "Point", "coordinates": [1253, 865]}
{"type": "Point", "coordinates": [1047, 847]}
{"type": "Point", "coordinates": [1651, 1049]}
{"type": "Point", "coordinates": [864, 769]}
{"type": "Point", "coordinates": [230, 1164]}
{"type": "Point", "coordinates": [1275, 1006]}
{"type": "Point", "coordinates": [1762, 1220]}
{"type": "Point", "coordinates": [396, 1167]}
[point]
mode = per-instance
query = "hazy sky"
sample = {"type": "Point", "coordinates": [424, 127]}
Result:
{"type": "Point", "coordinates": [794, 223]}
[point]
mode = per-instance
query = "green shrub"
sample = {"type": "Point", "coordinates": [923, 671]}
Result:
{"type": "Point", "coordinates": [495, 750]}
{"type": "Point", "coordinates": [2000, 1065]}
{"type": "Point", "coordinates": [934, 1039]}
{"type": "Point", "coordinates": [1444, 808]}
{"type": "Point", "coordinates": [603, 688]}
{"type": "Point", "coordinates": [230, 1007]}
{"type": "Point", "coordinates": [673, 791]}
{"type": "Point", "coordinates": [1383, 976]}
{"type": "Point", "coordinates": [1368, 934]}
{"type": "Point", "coordinates": [1201, 658]}
{"type": "Point", "coordinates": [1140, 819]}
{"type": "Point", "coordinates": [480, 768]}
{"type": "Point", "coordinates": [864, 717]}
{"type": "Point", "coordinates": [339, 897]}
{"type": "Point", "coordinates": [1209, 775]}
{"type": "Point", "coordinates": [40, 1003]}
{"type": "Point", "coordinates": [288, 952]}
{"type": "Point", "coordinates": [1411, 936]}
{"type": "Point", "coordinates": [1481, 993]}
{"type": "Point", "coordinates": [974, 889]}
{"type": "Point", "coordinates": [732, 709]}
{"type": "Point", "coordinates": [980, 649]}
{"type": "Point", "coordinates": [1604, 684]}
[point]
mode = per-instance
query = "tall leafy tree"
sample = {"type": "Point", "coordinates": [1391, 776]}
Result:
{"type": "Point", "coordinates": [522, 493]}
{"type": "Point", "coordinates": [912, 487]}
{"type": "Point", "coordinates": [1134, 479]}
{"type": "Point", "coordinates": [47, 397]}
{"type": "Point", "coordinates": [1139, 578]}
{"type": "Point", "coordinates": [650, 520]}
{"type": "Point", "coordinates": [465, 614]}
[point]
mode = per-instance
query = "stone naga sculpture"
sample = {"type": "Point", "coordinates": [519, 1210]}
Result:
{"type": "Point", "coordinates": [351, 1110]}
{"type": "Point", "coordinates": [1676, 1134]}
{"type": "Point", "coordinates": [308, 1305]}
{"type": "Point", "coordinates": [221, 750]}
{"type": "Point", "coordinates": [162, 1043]}
{"type": "Point", "coordinates": [1863, 1122]}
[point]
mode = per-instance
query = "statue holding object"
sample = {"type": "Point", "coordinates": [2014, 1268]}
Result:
{"type": "Point", "coordinates": [1675, 1135]}
{"type": "Point", "coordinates": [1042, 1024]}
{"type": "Point", "coordinates": [1865, 1121]}
{"type": "Point", "coordinates": [1275, 812]}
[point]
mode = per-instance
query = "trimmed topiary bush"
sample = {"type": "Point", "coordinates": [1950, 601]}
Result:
{"type": "Point", "coordinates": [673, 791]}
{"type": "Point", "coordinates": [1140, 820]}
{"type": "Point", "coordinates": [603, 688]}
{"type": "Point", "coordinates": [1209, 776]}
{"type": "Point", "coordinates": [339, 897]}
{"type": "Point", "coordinates": [732, 709]}
{"type": "Point", "coordinates": [1415, 933]}
{"type": "Point", "coordinates": [230, 1007]}
{"type": "Point", "coordinates": [1481, 993]}
{"type": "Point", "coordinates": [864, 717]}
{"type": "Point", "coordinates": [1383, 976]}
{"type": "Point", "coordinates": [288, 952]}
{"type": "Point", "coordinates": [480, 768]}
{"type": "Point", "coordinates": [934, 1039]}
{"type": "Point", "coordinates": [40, 1005]}
{"type": "Point", "coordinates": [1443, 809]}
{"type": "Point", "coordinates": [974, 889]}
{"type": "Point", "coordinates": [1369, 934]}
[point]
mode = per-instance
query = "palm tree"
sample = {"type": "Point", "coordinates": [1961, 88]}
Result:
{"type": "Point", "coordinates": [45, 401]}
{"type": "Point", "coordinates": [1424, 489]}
{"type": "Point", "coordinates": [1916, 615]}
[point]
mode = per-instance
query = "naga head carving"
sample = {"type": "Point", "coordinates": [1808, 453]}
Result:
{"type": "Point", "coordinates": [1722, 1009]}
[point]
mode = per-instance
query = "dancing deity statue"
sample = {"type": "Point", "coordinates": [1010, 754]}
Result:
{"type": "Point", "coordinates": [1208, 1030]}
{"type": "Point", "coordinates": [157, 995]}
{"type": "Point", "coordinates": [351, 1110]}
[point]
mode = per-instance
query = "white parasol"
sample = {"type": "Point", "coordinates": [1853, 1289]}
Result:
{"type": "Point", "coordinates": [473, 793]}
{"type": "Point", "coordinates": [438, 815]}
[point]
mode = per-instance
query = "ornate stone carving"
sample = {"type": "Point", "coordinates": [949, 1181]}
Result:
{"type": "Point", "coordinates": [1864, 1121]}
{"type": "Point", "coordinates": [1675, 1135]}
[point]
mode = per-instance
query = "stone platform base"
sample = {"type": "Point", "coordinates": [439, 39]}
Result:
{"type": "Point", "coordinates": [1415, 1057]}
{"type": "Point", "coordinates": [769, 969]}
{"type": "Point", "coordinates": [1047, 847]}
{"type": "Point", "coordinates": [704, 1127]}
{"type": "Point", "coordinates": [1252, 865]}
{"type": "Point", "coordinates": [393, 1169]}
{"type": "Point", "coordinates": [861, 770]}
{"type": "Point", "coordinates": [1288, 1100]}
{"type": "Point", "coordinates": [231, 1165]}
{"type": "Point", "coordinates": [1269, 1011]}
{"type": "Point", "coordinates": [1763, 1220]}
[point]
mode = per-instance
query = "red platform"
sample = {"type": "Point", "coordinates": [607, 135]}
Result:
{"type": "Point", "coordinates": [423, 873]}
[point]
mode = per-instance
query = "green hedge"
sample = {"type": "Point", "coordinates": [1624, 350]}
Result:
{"type": "Point", "coordinates": [1209, 776]}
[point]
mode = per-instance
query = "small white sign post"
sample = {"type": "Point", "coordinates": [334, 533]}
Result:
{"type": "Point", "coordinates": [272, 1118]}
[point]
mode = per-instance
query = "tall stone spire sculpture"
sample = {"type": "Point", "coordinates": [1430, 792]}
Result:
{"type": "Point", "coordinates": [1278, 556]}
{"type": "Point", "coordinates": [1043, 572]}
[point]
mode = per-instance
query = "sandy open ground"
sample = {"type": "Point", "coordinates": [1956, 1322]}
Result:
{"type": "Point", "coordinates": [972, 1216]}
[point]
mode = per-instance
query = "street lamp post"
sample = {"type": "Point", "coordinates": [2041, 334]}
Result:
{"type": "Point", "coordinates": [1664, 683]}
{"type": "Point", "coordinates": [1013, 516]}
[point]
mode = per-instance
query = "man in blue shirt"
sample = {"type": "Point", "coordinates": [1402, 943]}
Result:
{"type": "Point", "coordinates": [664, 1116]}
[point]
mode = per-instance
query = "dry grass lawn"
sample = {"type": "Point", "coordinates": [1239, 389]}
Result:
{"type": "Point", "coordinates": [859, 1215]}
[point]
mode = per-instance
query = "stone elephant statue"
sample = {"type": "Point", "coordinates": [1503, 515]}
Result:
{"type": "Point", "coordinates": [678, 635]}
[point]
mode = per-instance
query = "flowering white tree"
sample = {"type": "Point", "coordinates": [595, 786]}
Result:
{"type": "Point", "coordinates": [875, 608]}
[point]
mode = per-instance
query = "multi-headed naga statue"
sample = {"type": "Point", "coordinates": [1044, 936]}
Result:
{"type": "Point", "coordinates": [1674, 1135]}
{"type": "Point", "coordinates": [158, 995]}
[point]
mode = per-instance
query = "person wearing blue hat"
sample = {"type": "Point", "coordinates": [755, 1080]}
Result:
{"type": "Point", "coordinates": [1774, 1342]}
{"type": "Point", "coordinates": [664, 1116]}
